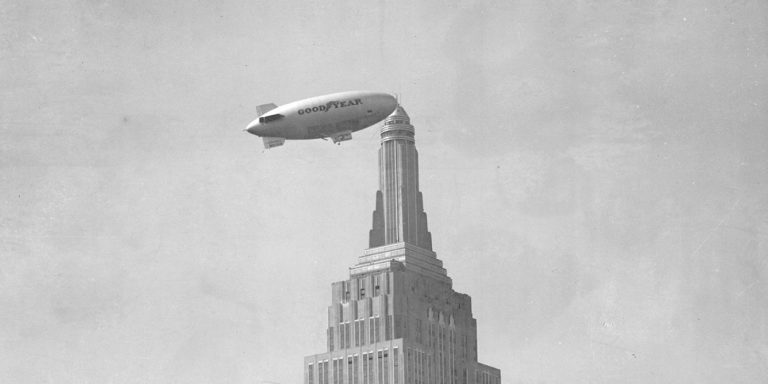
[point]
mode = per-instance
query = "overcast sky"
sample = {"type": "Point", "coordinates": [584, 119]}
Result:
{"type": "Point", "coordinates": [594, 177]}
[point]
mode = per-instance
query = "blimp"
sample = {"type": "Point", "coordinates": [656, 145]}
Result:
{"type": "Point", "coordinates": [333, 116]}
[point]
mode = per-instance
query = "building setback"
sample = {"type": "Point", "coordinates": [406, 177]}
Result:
{"type": "Point", "coordinates": [397, 319]}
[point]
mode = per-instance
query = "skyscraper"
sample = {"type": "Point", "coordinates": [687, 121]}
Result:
{"type": "Point", "coordinates": [397, 320]}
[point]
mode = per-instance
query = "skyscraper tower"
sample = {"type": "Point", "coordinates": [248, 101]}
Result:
{"type": "Point", "coordinates": [399, 216]}
{"type": "Point", "coordinates": [397, 320]}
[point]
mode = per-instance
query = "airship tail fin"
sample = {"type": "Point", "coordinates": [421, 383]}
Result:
{"type": "Point", "coordinates": [264, 108]}
{"type": "Point", "coordinates": [270, 142]}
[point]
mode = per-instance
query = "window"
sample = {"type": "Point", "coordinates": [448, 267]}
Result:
{"type": "Point", "coordinates": [357, 333]}
{"type": "Point", "coordinates": [356, 367]}
{"type": "Point", "coordinates": [322, 374]}
{"type": "Point", "coordinates": [396, 365]}
{"type": "Point", "coordinates": [419, 367]}
{"type": "Point", "coordinates": [349, 370]}
{"type": "Point", "coordinates": [409, 365]}
{"type": "Point", "coordinates": [372, 328]}
{"type": "Point", "coordinates": [339, 375]}
{"type": "Point", "coordinates": [347, 335]}
{"type": "Point", "coordinates": [270, 118]}
{"type": "Point", "coordinates": [386, 367]}
{"type": "Point", "coordinates": [418, 331]}
{"type": "Point", "coordinates": [369, 373]}
{"type": "Point", "coordinates": [381, 369]}
{"type": "Point", "coordinates": [432, 336]}
{"type": "Point", "coordinates": [370, 368]}
{"type": "Point", "coordinates": [310, 374]}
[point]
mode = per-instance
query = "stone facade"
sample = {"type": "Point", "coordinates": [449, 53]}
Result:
{"type": "Point", "coordinates": [397, 319]}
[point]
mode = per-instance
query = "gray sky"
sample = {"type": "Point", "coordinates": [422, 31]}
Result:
{"type": "Point", "coordinates": [594, 175]}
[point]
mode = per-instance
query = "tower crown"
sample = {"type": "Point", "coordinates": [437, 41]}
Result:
{"type": "Point", "coordinates": [397, 126]}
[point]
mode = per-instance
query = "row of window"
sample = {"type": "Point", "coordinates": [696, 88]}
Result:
{"type": "Point", "coordinates": [360, 309]}
{"type": "Point", "coordinates": [422, 368]}
{"type": "Point", "coordinates": [417, 365]}
{"type": "Point", "coordinates": [483, 377]}
{"type": "Point", "coordinates": [355, 332]}
{"type": "Point", "coordinates": [376, 369]}
{"type": "Point", "coordinates": [379, 283]}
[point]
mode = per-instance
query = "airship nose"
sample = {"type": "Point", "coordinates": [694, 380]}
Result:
{"type": "Point", "coordinates": [389, 102]}
{"type": "Point", "coordinates": [392, 102]}
{"type": "Point", "coordinates": [253, 127]}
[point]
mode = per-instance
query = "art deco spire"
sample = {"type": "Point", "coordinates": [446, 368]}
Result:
{"type": "Point", "coordinates": [397, 319]}
{"type": "Point", "coordinates": [399, 216]}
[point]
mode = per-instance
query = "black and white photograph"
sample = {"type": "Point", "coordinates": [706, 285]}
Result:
{"type": "Point", "coordinates": [383, 192]}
